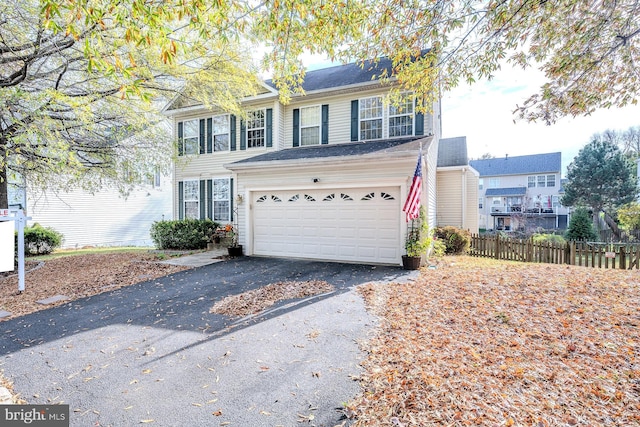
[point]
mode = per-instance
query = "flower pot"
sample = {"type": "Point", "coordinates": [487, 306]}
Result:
{"type": "Point", "coordinates": [235, 251]}
{"type": "Point", "coordinates": [411, 262]}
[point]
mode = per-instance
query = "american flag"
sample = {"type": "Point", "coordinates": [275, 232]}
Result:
{"type": "Point", "coordinates": [412, 205]}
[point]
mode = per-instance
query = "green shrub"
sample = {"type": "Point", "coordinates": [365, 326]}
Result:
{"type": "Point", "coordinates": [184, 234]}
{"type": "Point", "coordinates": [456, 240]}
{"type": "Point", "coordinates": [39, 240]}
{"type": "Point", "coordinates": [548, 238]}
{"type": "Point", "coordinates": [581, 226]}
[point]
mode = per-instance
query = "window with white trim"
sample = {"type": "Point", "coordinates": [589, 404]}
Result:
{"type": "Point", "coordinates": [494, 182]}
{"type": "Point", "coordinates": [401, 117]}
{"type": "Point", "coordinates": [480, 183]}
{"type": "Point", "coordinates": [310, 125]}
{"type": "Point", "coordinates": [191, 137]}
{"type": "Point", "coordinates": [371, 111]}
{"type": "Point", "coordinates": [256, 129]}
{"type": "Point", "coordinates": [191, 199]}
{"type": "Point", "coordinates": [541, 181]}
{"type": "Point", "coordinates": [551, 180]}
{"type": "Point", "coordinates": [221, 200]}
{"type": "Point", "coordinates": [220, 132]}
{"type": "Point", "coordinates": [531, 182]}
{"type": "Point", "coordinates": [480, 202]}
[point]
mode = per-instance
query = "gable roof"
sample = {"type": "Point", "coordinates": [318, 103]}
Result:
{"type": "Point", "coordinates": [351, 149]}
{"type": "Point", "coordinates": [519, 165]}
{"type": "Point", "coordinates": [453, 152]}
{"type": "Point", "coordinates": [343, 75]}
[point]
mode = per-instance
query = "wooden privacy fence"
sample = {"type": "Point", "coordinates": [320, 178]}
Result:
{"type": "Point", "coordinates": [588, 254]}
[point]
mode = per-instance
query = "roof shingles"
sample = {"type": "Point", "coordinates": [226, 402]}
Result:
{"type": "Point", "coordinates": [519, 165]}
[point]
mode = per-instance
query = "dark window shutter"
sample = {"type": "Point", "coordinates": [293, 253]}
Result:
{"type": "Point", "coordinates": [210, 198]}
{"type": "Point", "coordinates": [203, 204]}
{"type": "Point", "coordinates": [419, 122]}
{"type": "Point", "coordinates": [180, 136]}
{"type": "Point", "coordinates": [296, 127]}
{"type": "Point", "coordinates": [243, 135]}
{"type": "Point", "coordinates": [354, 120]}
{"type": "Point", "coordinates": [269, 128]}
{"type": "Point", "coordinates": [209, 135]}
{"type": "Point", "coordinates": [180, 200]}
{"type": "Point", "coordinates": [232, 130]}
{"type": "Point", "coordinates": [324, 132]}
{"type": "Point", "coordinates": [202, 144]}
{"type": "Point", "coordinates": [231, 199]}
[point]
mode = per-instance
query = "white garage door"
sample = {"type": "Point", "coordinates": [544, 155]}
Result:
{"type": "Point", "coordinates": [337, 224]}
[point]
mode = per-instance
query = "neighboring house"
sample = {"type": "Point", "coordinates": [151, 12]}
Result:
{"type": "Point", "coordinates": [323, 177]}
{"type": "Point", "coordinates": [457, 186]}
{"type": "Point", "coordinates": [521, 192]}
{"type": "Point", "coordinates": [105, 218]}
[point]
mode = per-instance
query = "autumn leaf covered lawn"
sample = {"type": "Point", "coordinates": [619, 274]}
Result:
{"type": "Point", "coordinates": [478, 342]}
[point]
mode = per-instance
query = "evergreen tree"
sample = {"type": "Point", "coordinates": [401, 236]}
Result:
{"type": "Point", "coordinates": [581, 226]}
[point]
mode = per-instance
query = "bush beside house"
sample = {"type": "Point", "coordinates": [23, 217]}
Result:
{"type": "Point", "coordinates": [456, 240]}
{"type": "Point", "coordinates": [184, 234]}
{"type": "Point", "coordinates": [39, 240]}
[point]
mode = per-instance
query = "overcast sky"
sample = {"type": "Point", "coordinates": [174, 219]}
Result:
{"type": "Point", "coordinates": [483, 113]}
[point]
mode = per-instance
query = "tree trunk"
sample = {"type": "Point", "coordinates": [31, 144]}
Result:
{"type": "Point", "coordinates": [612, 225]}
{"type": "Point", "coordinates": [4, 184]}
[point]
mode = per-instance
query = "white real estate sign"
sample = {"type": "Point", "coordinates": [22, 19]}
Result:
{"type": "Point", "coordinates": [7, 248]}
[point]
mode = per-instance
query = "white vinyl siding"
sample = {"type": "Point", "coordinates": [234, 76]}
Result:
{"type": "Point", "coordinates": [310, 125]}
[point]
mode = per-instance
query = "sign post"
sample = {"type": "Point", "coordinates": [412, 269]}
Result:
{"type": "Point", "coordinates": [20, 221]}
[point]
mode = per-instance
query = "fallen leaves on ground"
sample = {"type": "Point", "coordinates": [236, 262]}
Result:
{"type": "Point", "coordinates": [252, 302]}
{"type": "Point", "coordinates": [78, 276]}
{"type": "Point", "coordinates": [485, 343]}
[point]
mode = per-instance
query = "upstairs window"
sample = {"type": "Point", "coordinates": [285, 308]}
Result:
{"type": "Point", "coordinates": [310, 125]}
{"type": "Point", "coordinates": [480, 183]}
{"type": "Point", "coordinates": [541, 181]}
{"type": "Point", "coordinates": [531, 181]}
{"type": "Point", "coordinates": [371, 110]}
{"type": "Point", "coordinates": [255, 129]}
{"type": "Point", "coordinates": [191, 137]}
{"type": "Point", "coordinates": [220, 132]}
{"type": "Point", "coordinates": [551, 180]}
{"type": "Point", "coordinates": [494, 182]}
{"type": "Point", "coordinates": [401, 118]}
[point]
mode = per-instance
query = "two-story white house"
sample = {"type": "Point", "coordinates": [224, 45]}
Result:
{"type": "Point", "coordinates": [323, 177]}
{"type": "Point", "coordinates": [520, 192]}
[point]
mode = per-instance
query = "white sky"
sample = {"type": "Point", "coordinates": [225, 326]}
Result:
{"type": "Point", "coordinates": [483, 113]}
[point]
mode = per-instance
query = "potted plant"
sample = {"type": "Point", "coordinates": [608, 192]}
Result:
{"type": "Point", "coordinates": [417, 242]}
{"type": "Point", "coordinates": [235, 249]}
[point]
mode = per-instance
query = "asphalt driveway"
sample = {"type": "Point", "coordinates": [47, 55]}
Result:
{"type": "Point", "coordinates": [152, 352]}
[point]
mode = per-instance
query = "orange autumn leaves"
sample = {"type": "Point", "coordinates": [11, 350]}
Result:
{"type": "Point", "coordinates": [477, 342]}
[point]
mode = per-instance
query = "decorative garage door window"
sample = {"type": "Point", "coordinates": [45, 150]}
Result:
{"type": "Point", "coordinates": [328, 198]}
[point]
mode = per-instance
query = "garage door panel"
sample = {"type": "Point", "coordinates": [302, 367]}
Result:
{"type": "Point", "coordinates": [341, 224]}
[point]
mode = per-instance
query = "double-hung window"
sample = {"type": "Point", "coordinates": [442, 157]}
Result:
{"type": "Point", "coordinates": [191, 199]}
{"type": "Point", "coordinates": [551, 180]}
{"type": "Point", "coordinates": [371, 110]}
{"type": "Point", "coordinates": [310, 125]}
{"type": "Point", "coordinates": [221, 200]}
{"type": "Point", "coordinates": [256, 129]}
{"type": "Point", "coordinates": [531, 182]}
{"type": "Point", "coordinates": [541, 181]}
{"type": "Point", "coordinates": [191, 137]}
{"type": "Point", "coordinates": [220, 132]}
{"type": "Point", "coordinates": [401, 118]}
